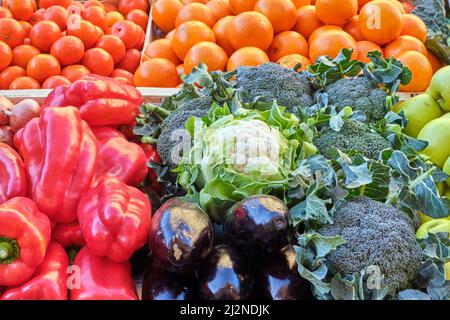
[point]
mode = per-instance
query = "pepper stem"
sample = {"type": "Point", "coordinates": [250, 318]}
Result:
{"type": "Point", "coordinates": [9, 250]}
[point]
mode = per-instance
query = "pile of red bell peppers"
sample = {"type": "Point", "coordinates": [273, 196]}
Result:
{"type": "Point", "coordinates": [71, 183]}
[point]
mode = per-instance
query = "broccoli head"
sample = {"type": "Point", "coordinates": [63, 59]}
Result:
{"type": "Point", "coordinates": [271, 81]}
{"type": "Point", "coordinates": [171, 133]}
{"type": "Point", "coordinates": [377, 234]}
{"type": "Point", "coordinates": [354, 135]}
{"type": "Point", "coordinates": [360, 94]}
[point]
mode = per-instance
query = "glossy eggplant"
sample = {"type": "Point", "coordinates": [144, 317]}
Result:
{"type": "Point", "coordinates": [280, 279]}
{"type": "Point", "coordinates": [225, 276]}
{"type": "Point", "coordinates": [258, 225]}
{"type": "Point", "coordinates": [160, 284]}
{"type": "Point", "coordinates": [181, 235]}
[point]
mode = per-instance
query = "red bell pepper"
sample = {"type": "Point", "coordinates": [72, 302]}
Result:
{"type": "Point", "coordinates": [102, 101]}
{"type": "Point", "coordinates": [102, 279]}
{"type": "Point", "coordinates": [13, 181]}
{"type": "Point", "coordinates": [49, 281]}
{"type": "Point", "coordinates": [121, 159]}
{"type": "Point", "coordinates": [68, 235]}
{"type": "Point", "coordinates": [114, 219]}
{"type": "Point", "coordinates": [104, 133]}
{"type": "Point", "coordinates": [60, 154]}
{"type": "Point", "coordinates": [24, 238]}
{"type": "Point", "coordinates": [152, 157]}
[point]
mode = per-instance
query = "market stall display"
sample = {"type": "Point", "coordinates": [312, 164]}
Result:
{"type": "Point", "coordinates": [307, 174]}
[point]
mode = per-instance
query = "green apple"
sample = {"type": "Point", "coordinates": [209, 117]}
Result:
{"type": "Point", "coordinates": [439, 88]}
{"type": "Point", "coordinates": [447, 115]}
{"type": "Point", "coordinates": [446, 169]}
{"type": "Point", "coordinates": [419, 110]}
{"type": "Point", "coordinates": [437, 134]}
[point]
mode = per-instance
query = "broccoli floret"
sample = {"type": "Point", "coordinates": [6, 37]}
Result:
{"type": "Point", "coordinates": [377, 234]}
{"type": "Point", "coordinates": [273, 82]}
{"type": "Point", "coordinates": [360, 94]}
{"type": "Point", "coordinates": [171, 136]}
{"type": "Point", "coordinates": [354, 135]}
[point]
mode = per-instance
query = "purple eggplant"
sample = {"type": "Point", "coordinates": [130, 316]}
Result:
{"type": "Point", "coordinates": [258, 225]}
{"type": "Point", "coordinates": [225, 276]}
{"type": "Point", "coordinates": [181, 235]}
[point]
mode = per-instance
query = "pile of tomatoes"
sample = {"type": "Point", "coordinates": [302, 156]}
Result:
{"type": "Point", "coordinates": [226, 34]}
{"type": "Point", "coordinates": [47, 43]}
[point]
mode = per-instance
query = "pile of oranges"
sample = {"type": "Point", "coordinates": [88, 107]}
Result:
{"type": "Point", "coordinates": [226, 34]}
{"type": "Point", "coordinates": [47, 43]}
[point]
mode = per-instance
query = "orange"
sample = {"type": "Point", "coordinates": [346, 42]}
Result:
{"type": "Point", "coordinates": [170, 35]}
{"type": "Point", "coordinates": [320, 30]}
{"type": "Point", "coordinates": [5, 13]}
{"type": "Point", "coordinates": [409, 7]}
{"type": "Point", "coordinates": [44, 34]}
{"type": "Point", "coordinates": [162, 48]}
{"type": "Point", "coordinates": [139, 17]}
{"type": "Point", "coordinates": [181, 70]}
{"type": "Point", "coordinates": [74, 72]}
{"type": "Point", "coordinates": [109, 6]}
{"type": "Point", "coordinates": [127, 31]}
{"type": "Point", "coordinates": [239, 6]}
{"type": "Point", "coordinates": [336, 12]}
{"type": "Point", "coordinates": [58, 15]}
{"type": "Point", "coordinates": [93, 3]}
{"type": "Point", "coordinates": [49, 3]}
{"type": "Point", "coordinates": [99, 61]}
{"type": "Point", "coordinates": [282, 14]}
{"type": "Point", "coordinates": [139, 45]}
{"type": "Point", "coordinates": [156, 72]}
{"type": "Point", "coordinates": [76, 8]}
{"type": "Point", "coordinates": [219, 8]}
{"type": "Point", "coordinates": [131, 60]}
{"type": "Point", "coordinates": [5, 55]}
{"type": "Point", "coordinates": [195, 12]}
{"type": "Point", "coordinates": [164, 13]}
{"type": "Point", "coordinates": [125, 6]}
{"type": "Point", "coordinates": [434, 61]}
{"type": "Point", "coordinates": [9, 75]}
{"type": "Point", "coordinates": [189, 34]}
{"type": "Point", "coordinates": [209, 53]}
{"type": "Point", "coordinates": [112, 18]}
{"type": "Point", "coordinates": [192, 1]}
{"type": "Point", "coordinates": [26, 27]}
{"type": "Point", "coordinates": [55, 81]}
{"type": "Point", "coordinates": [414, 26]}
{"type": "Point", "coordinates": [21, 9]}
{"type": "Point", "coordinates": [288, 42]}
{"type": "Point", "coordinates": [221, 32]}
{"type": "Point", "coordinates": [330, 43]}
{"type": "Point", "coordinates": [307, 21]}
{"type": "Point", "coordinates": [247, 56]}
{"type": "Point", "coordinates": [398, 4]}
{"type": "Point", "coordinates": [37, 16]}
{"type": "Point", "coordinates": [364, 47]}
{"type": "Point", "coordinates": [97, 16]}
{"type": "Point", "coordinates": [121, 73]}
{"type": "Point", "coordinates": [113, 45]}
{"type": "Point", "coordinates": [22, 54]}
{"type": "Point", "coordinates": [11, 32]}
{"type": "Point", "coordinates": [251, 29]}
{"type": "Point", "coordinates": [43, 66]}
{"type": "Point", "coordinates": [84, 30]}
{"type": "Point", "coordinates": [421, 70]}
{"type": "Point", "coordinates": [22, 83]}
{"type": "Point", "coordinates": [291, 60]}
{"type": "Point", "coordinates": [301, 3]}
{"type": "Point", "coordinates": [68, 50]}
{"type": "Point", "coordinates": [402, 44]}
{"type": "Point", "coordinates": [352, 28]}
{"type": "Point", "coordinates": [380, 21]}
